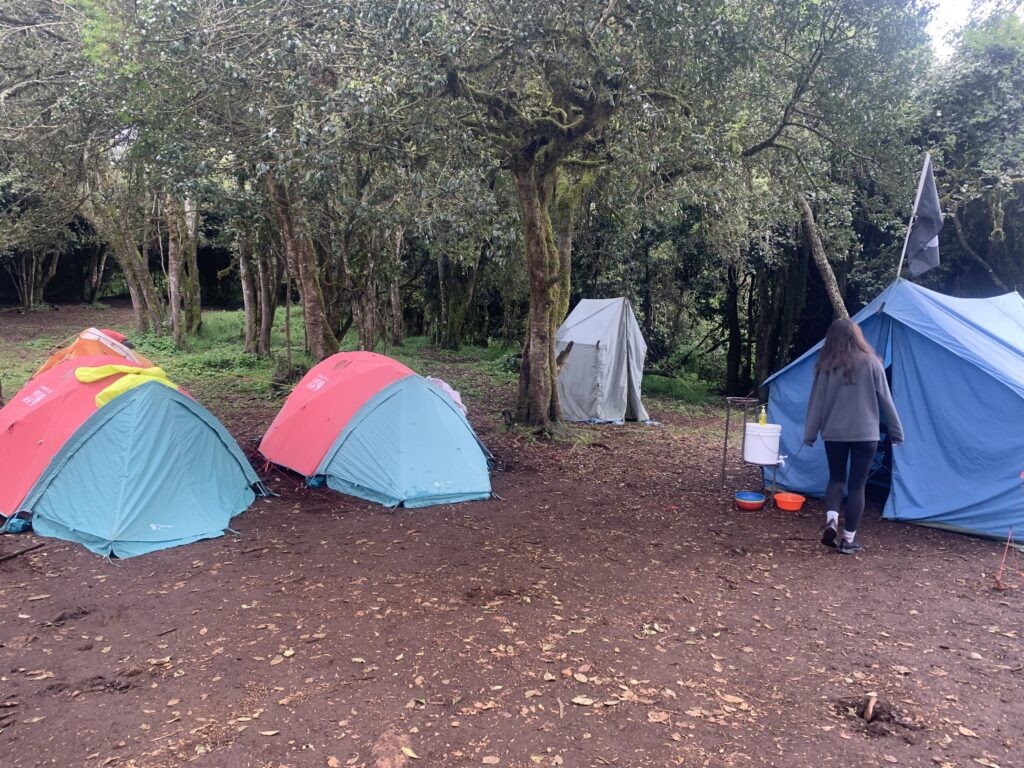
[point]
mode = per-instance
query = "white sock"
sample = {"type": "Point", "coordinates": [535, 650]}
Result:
{"type": "Point", "coordinates": [831, 517]}
{"type": "Point", "coordinates": [848, 536]}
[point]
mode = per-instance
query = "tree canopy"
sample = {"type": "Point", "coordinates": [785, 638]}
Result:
{"type": "Point", "coordinates": [741, 170]}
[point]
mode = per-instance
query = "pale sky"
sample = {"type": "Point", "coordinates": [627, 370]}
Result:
{"type": "Point", "coordinates": [948, 16]}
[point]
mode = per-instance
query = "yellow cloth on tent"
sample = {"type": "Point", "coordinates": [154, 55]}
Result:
{"type": "Point", "coordinates": [133, 377]}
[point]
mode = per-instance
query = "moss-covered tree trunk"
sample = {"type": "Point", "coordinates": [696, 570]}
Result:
{"type": "Point", "coordinates": [174, 259]}
{"type": "Point", "coordinates": [320, 338]}
{"type": "Point", "coordinates": [97, 263]}
{"type": "Point", "coordinates": [150, 312]}
{"type": "Point", "coordinates": [828, 276]}
{"type": "Point", "coordinates": [190, 289]}
{"type": "Point", "coordinates": [45, 271]}
{"type": "Point", "coordinates": [250, 292]}
{"type": "Point", "coordinates": [538, 391]}
{"type": "Point", "coordinates": [536, 150]}
{"type": "Point", "coordinates": [394, 290]}
{"type": "Point", "coordinates": [148, 306]}
{"type": "Point", "coordinates": [182, 267]}
{"type": "Point", "coordinates": [269, 272]}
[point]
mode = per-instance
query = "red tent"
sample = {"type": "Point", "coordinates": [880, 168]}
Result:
{"type": "Point", "coordinates": [321, 405]}
{"type": "Point", "coordinates": [38, 420]}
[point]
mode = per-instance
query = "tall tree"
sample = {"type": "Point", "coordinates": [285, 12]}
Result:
{"type": "Point", "coordinates": [974, 125]}
{"type": "Point", "coordinates": [541, 84]}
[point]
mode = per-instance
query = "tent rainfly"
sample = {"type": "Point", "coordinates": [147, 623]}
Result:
{"type": "Point", "coordinates": [957, 368]}
{"type": "Point", "coordinates": [600, 378]}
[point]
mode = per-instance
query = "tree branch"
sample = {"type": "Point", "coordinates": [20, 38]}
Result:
{"type": "Point", "coordinates": [958, 226]}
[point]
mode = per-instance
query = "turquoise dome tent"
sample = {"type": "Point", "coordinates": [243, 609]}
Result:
{"type": "Point", "coordinates": [149, 470]}
{"type": "Point", "coordinates": [366, 425]}
{"type": "Point", "coordinates": [409, 445]}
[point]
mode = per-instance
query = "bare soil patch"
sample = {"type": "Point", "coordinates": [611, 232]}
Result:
{"type": "Point", "coordinates": [611, 609]}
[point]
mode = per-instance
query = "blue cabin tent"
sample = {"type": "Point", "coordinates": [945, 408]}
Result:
{"type": "Point", "coordinates": [957, 377]}
{"type": "Point", "coordinates": [149, 470]}
{"type": "Point", "coordinates": [408, 445]}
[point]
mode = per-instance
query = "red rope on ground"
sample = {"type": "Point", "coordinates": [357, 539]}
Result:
{"type": "Point", "coordinates": [1001, 585]}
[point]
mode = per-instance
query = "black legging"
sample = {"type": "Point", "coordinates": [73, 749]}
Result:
{"type": "Point", "coordinates": [859, 456]}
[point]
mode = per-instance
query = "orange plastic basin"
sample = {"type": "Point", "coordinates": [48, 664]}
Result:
{"type": "Point", "coordinates": [789, 502]}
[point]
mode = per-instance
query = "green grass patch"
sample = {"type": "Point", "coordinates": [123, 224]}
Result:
{"type": "Point", "coordinates": [212, 363]}
{"type": "Point", "coordinates": [687, 388]}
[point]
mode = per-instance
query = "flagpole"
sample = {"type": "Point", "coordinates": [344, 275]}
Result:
{"type": "Point", "coordinates": [913, 214]}
{"type": "Point", "coordinates": [906, 240]}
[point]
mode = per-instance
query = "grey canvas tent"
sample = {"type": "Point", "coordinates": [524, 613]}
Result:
{"type": "Point", "coordinates": [600, 379]}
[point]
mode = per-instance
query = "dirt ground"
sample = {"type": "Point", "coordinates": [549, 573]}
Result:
{"type": "Point", "coordinates": [611, 608]}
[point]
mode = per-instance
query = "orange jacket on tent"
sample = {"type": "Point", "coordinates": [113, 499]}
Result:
{"type": "Point", "coordinates": [95, 341]}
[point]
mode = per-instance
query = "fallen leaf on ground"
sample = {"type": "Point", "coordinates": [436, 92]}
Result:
{"type": "Point", "coordinates": [269, 733]}
{"type": "Point", "coordinates": [408, 752]}
{"type": "Point", "coordinates": [657, 716]}
{"type": "Point", "coordinates": [491, 760]}
{"type": "Point", "coordinates": [333, 762]}
{"type": "Point", "coordinates": [583, 701]}
{"type": "Point", "coordinates": [965, 731]}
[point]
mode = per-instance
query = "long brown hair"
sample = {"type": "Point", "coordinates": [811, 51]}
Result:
{"type": "Point", "coordinates": [844, 345]}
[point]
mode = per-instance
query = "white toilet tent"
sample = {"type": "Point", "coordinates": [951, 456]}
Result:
{"type": "Point", "coordinates": [600, 379]}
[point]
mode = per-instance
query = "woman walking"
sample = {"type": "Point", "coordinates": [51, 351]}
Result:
{"type": "Point", "coordinates": [849, 394]}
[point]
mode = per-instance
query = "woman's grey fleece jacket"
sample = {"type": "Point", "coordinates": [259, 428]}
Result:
{"type": "Point", "coordinates": [846, 408]}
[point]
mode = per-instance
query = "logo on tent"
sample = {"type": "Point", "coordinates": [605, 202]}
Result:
{"type": "Point", "coordinates": [317, 383]}
{"type": "Point", "coordinates": [160, 526]}
{"type": "Point", "coordinates": [37, 396]}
